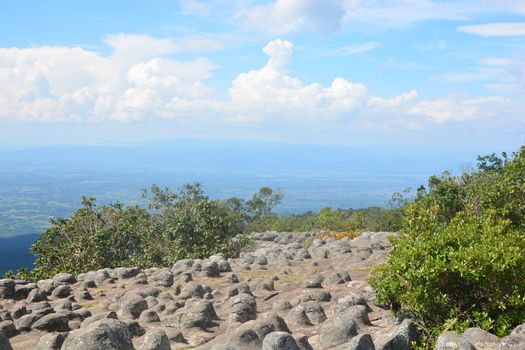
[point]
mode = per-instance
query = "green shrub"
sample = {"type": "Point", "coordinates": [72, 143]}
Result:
{"type": "Point", "coordinates": [185, 224]}
{"type": "Point", "coordinates": [459, 259]}
{"type": "Point", "coordinates": [92, 238]}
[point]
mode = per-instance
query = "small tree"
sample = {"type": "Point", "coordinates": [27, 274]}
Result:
{"type": "Point", "coordinates": [263, 202]}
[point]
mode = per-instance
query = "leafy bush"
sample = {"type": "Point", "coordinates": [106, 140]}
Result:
{"type": "Point", "coordinates": [92, 238]}
{"type": "Point", "coordinates": [459, 259]}
{"type": "Point", "coordinates": [185, 224]}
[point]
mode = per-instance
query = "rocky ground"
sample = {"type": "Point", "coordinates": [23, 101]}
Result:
{"type": "Point", "coordinates": [292, 291]}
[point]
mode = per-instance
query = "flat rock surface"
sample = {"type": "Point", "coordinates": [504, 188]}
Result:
{"type": "Point", "coordinates": [301, 292]}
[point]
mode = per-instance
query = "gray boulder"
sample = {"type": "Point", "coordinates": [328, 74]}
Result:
{"type": "Point", "coordinates": [25, 322]}
{"type": "Point", "coordinates": [315, 282]}
{"type": "Point", "coordinates": [279, 341]}
{"type": "Point", "coordinates": [197, 313]}
{"type": "Point", "coordinates": [4, 342]}
{"type": "Point", "coordinates": [134, 328]}
{"type": "Point", "coordinates": [156, 339]}
{"type": "Point", "coordinates": [22, 290]}
{"type": "Point", "coordinates": [337, 331]}
{"type": "Point", "coordinates": [318, 295]}
{"type": "Point", "coordinates": [7, 289]}
{"type": "Point", "coordinates": [297, 317]}
{"type": "Point", "coordinates": [47, 286]}
{"type": "Point", "coordinates": [480, 338]}
{"type": "Point", "coordinates": [8, 327]}
{"type": "Point", "coordinates": [362, 342]}
{"type": "Point", "coordinates": [18, 311]}
{"type": "Point", "coordinates": [162, 278]}
{"type": "Point", "coordinates": [51, 341]}
{"type": "Point", "coordinates": [452, 341]}
{"type": "Point", "coordinates": [123, 273]}
{"type": "Point", "coordinates": [149, 316]}
{"type": "Point", "coordinates": [302, 341]}
{"type": "Point", "coordinates": [337, 278]}
{"type": "Point", "coordinates": [131, 305]}
{"type": "Point", "coordinates": [57, 322]}
{"type": "Point", "coordinates": [211, 269]}
{"type": "Point", "coordinates": [268, 324]}
{"type": "Point", "coordinates": [62, 291]}
{"type": "Point", "coordinates": [243, 308]}
{"type": "Point", "coordinates": [512, 342]}
{"type": "Point", "coordinates": [402, 337]}
{"type": "Point", "coordinates": [232, 278]}
{"type": "Point", "coordinates": [183, 264]}
{"type": "Point", "coordinates": [261, 260]}
{"type": "Point", "coordinates": [107, 334]}
{"type": "Point", "coordinates": [192, 290]}
{"type": "Point", "coordinates": [66, 278]}
{"type": "Point", "coordinates": [224, 266]}
{"type": "Point", "coordinates": [99, 316]}
{"type": "Point", "coordinates": [314, 311]}
{"type": "Point", "coordinates": [351, 299]}
{"type": "Point", "coordinates": [36, 295]}
{"type": "Point", "coordinates": [520, 330]}
{"type": "Point", "coordinates": [242, 338]}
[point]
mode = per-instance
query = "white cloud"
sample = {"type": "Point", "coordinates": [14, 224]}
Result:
{"type": "Point", "coordinates": [194, 7]}
{"type": "Point", "coordinates": [502, 29]}
{"type": "Point", "coordinates": [52, 84]}
{"type": "Point", "coordinates": [271, 92]}
{"type": "Point", "coordinates": [458, 109]}
{"type": "Point", "coordinates": [496, 61]}
{"type": "Point", "coordinates": [352, 49]}
{"type": "Point", "coordinates": [395, 101]}
{"type": "Point", "coordinates": [284, 16]}
{"type": "Point", "coordinates": [60, 83]}
{"type": "Point", "coordinates": [386, 14]}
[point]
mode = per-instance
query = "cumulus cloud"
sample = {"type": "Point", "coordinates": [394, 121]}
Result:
{"type": "Point", "coordinates": [271, 91]}
{"type": "Point", "coordinates": [61, 83]}
{"type": "Point", "coordinates": [52, 84]}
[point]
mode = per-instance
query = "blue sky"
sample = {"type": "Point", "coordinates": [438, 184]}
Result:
{"type": "Point", "coordinates": [392, 72]}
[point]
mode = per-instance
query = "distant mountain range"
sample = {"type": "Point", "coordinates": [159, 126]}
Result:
{"type": "Point", "coordinates": [39, 183]}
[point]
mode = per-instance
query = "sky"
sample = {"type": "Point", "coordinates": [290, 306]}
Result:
{"type": "Point", "coordinates": [448, 73]}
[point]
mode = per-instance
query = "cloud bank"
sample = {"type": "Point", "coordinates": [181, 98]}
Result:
{"type": "Point", "coordinates": [141, 80]}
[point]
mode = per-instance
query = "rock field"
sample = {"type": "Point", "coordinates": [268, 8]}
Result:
{"type": "Point", "coordinates": [291, 292]}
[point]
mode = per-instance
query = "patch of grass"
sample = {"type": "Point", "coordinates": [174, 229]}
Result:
{"type": "Point", "coordinates": [296, 276]}
{"type": "Point", "coordinates": [91, 304]}
{"type": "Point", "coordinates": [251, 275]}
{"type": "Point", "coordinates": [307, 243]}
